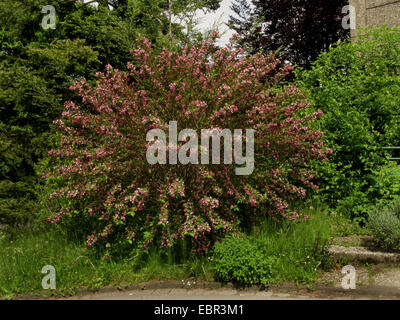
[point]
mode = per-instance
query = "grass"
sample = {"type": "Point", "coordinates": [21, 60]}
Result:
{"type": "Point", "coordinates": [299, 249]}
{"type": "Point", "coordinates": [348, 233]}
{"type": "Point", "coordinates": [277, 252]}
{"type": "Point", "coordinates": [342, 226]}
{"type": "Point", "coordinates": [22, 260]}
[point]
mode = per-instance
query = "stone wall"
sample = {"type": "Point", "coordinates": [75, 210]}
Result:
{"type": "Point", "coordinates": [372, 13]}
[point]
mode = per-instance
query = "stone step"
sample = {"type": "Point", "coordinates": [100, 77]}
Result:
{"type": "Point", "coordinates": [363, 254]}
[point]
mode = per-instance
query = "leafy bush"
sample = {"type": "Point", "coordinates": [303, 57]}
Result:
{"type": "Point", "coordinates": [357, 85]}
{"type": "Point", "coordinates": [100, 181]}
{"type": "Point", "coordinates": [386, 183]}
{"type": "Point", "coordinates": [384, 223]}
{"type": "Point", "coordinates": [243, 262]}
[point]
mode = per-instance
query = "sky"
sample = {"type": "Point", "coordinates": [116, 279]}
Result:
{"type": "Point", "coordinates": [220, 17]}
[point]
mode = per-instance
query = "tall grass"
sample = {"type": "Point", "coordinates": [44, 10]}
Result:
{"type": "Point", "coordinates": [300, 248]}
{"type": "Point", "coordinates": [297, 251]}
{"type": "Point", "coordinates": [22, 259]}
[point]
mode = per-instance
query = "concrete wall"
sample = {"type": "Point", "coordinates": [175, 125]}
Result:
{"type": "Point", "coordinates": [372, 13]}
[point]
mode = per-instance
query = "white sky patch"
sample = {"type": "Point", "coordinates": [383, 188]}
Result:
{"type": "Point", "coordinates": [93, 3]}
{"type": "Point", "coordinates": [218, 19]}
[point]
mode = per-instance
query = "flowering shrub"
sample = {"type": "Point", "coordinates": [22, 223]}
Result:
{"type": "Point", "coordinates": [102, 182]}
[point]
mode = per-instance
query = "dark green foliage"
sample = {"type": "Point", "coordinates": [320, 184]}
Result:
{"type": "Point", "coordinates": [298, 30]}
{"type": "Point", "coordinates": [32, 91]}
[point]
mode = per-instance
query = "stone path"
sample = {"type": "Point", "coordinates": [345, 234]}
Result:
{"type": "Point", "coordinates": [320, 293]}
{"type": "Point", "coordinates": [189, 294]}
{"type": "Point", "coordinates": [373, 282]}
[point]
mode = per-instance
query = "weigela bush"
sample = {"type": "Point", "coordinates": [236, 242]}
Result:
{"type": "Point", "coordinates": [103, 183]}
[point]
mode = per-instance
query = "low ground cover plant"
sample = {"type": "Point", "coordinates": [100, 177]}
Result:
{"type": "Point", "coordinates": [384, 223]}
{"type": "Point", "coordinates": [243, 261]}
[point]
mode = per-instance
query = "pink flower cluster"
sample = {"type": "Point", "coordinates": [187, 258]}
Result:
{"type": "Point", "coordinates": [101, 163]}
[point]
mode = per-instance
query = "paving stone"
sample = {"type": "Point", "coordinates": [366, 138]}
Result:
{"type": "Point", "coordinates": [360, 254]}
